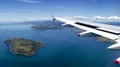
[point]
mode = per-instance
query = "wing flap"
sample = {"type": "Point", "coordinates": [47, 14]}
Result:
{"type": "Point", "coordinates": [114, 46]}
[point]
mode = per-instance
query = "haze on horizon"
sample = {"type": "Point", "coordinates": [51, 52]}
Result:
{"type": "Point", "coordinates": [26, 10]}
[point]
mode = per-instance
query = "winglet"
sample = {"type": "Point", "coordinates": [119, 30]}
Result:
{"type": "Point", "coordinates": [53, 18]}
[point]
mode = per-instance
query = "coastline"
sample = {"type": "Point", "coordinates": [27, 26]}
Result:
{"type": "Point", "coordinates": [28, 50]}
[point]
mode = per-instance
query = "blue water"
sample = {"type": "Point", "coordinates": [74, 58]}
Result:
{"type": "Point", "coordinates": [61, 48]}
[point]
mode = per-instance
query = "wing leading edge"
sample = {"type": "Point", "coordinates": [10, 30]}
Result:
{"type": "Point", "coordinates": [109, 31]}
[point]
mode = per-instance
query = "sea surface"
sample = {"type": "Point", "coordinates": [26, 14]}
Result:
{"type": "Point", "coordinates": [61, 48]}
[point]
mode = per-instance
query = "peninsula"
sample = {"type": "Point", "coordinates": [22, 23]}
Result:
{"type": "Point", "coordinates": [23, 46]}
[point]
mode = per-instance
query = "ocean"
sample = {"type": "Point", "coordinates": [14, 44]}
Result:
{"type": "Point", "coordinates": [61, 48]}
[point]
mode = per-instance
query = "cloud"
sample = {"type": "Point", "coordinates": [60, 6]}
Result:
{"type": "Point", "coordinates": [106, 18]}
{"type": "Point", "coordinates": [113, 18]}
{"type": "Point", "coordinates": [31, 1]}
{"type": "Point", "coordinates": [77, 17]}
{"type": "Point", "coordinates": [99, 18]}
{"type": "Point", "coordinates": [64, 8]}
{"type": "Point", "coordinates": [96, 18]}
{"type": "Point", "coordinates": [35, 19]}
{"type": "Point", "coordinates": [81, 17]}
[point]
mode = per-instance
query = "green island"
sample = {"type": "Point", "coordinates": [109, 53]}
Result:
{"type": "Point", "coordinates": [23, 46]}
{"type": "Point", "coordinates": [104, 39]}
{"type": "Point", "coordinates": [54, 26]}
{"type": "Point", "coordinates": [46, 26]}
{"type": "Point", "coordinates": [50, 25]}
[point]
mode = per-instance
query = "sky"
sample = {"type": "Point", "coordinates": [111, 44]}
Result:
{"type": "Point", "coordinates": [25, 10]}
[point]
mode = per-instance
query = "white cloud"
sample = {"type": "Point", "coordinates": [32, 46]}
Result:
{"type": "Point", "coordinates": [113, 18]}
{"type": "Point", "coordinates": [81, 17]}
{"type": "Point", "coordinates": [96, 18]}
{"type": "Point", "coordinates": [64, 8]}
{"type": "Point", "coordinates": [77, 17]}
{"type": "Point", "coordinates": [106, 18]}
{"type": "Point", "coordinates": [35, 19]}
{"type": "Point", "coordinates": [99, 18]}
{"type": "Point", "coordinates": [31, 1]}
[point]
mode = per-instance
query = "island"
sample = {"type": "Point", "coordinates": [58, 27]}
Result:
{"type": "Point", "coordinates": [46, 25]}
{"type": "Point", "coordinates": [53, 25]}
{"type": "Point", "coordinates": [104, 39]}
{"type": "Point", "coordinates": [23, 46]}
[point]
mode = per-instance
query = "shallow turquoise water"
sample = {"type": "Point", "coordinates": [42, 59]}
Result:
{"type": "Point", "coordinates": [61, 48]}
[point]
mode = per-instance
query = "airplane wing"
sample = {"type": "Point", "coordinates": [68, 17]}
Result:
{"type": "Point", "coordinates": [105, 30]}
